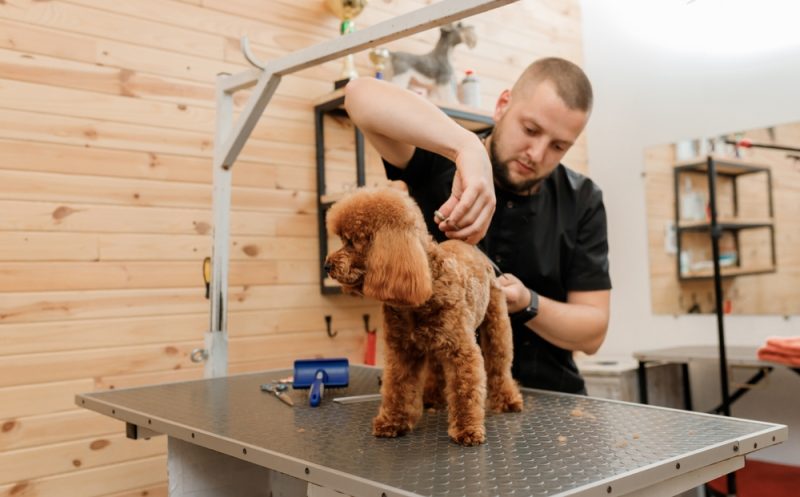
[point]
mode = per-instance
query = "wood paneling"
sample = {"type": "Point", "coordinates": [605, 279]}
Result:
{"type": "Point", "coordinates": [28, 400]}
{"type": "Point", "coordinates": [90, 218]}
{"type": "Point", "coordinates": [71, 457]}
{"type": "Point", "coordinates": [92, 482]}
{"type": "Point", "coordinates": [106, 136]}
{"type": "Point", "coordinates": [51, 428]}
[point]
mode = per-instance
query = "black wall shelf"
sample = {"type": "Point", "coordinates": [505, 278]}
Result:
{"type": "Point", "coordinates": [715, 168]}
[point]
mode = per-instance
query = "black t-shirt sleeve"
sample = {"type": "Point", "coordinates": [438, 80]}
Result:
{"type": "Point", "coordinates": [429, 178]}
{"type": "Point", "coordinates": [589, 268]}
{"type": "Point", "coordinates": [419, 167]}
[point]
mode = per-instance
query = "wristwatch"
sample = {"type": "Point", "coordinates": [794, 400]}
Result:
{"type": "Point", "coordinates": [528, 313]}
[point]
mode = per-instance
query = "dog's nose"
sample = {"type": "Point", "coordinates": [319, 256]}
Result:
{"type": "Point", "coordinates": [327, 267]}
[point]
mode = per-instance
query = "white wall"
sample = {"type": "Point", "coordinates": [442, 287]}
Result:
{"type": "Point", "coordinates": [664, 70]}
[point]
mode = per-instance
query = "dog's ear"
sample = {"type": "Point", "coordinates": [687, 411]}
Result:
{"type": "Point", "coordinates": [397, 268]}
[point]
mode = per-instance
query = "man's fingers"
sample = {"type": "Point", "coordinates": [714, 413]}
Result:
{"type": "Point", "coordinates": [471, 225]}
{"type": "Point", "coordinates": [453, 222]}
{"type": "Point", "coordinates": [445, 223]}
{"type": "Point", "coordinates": [467, 213]}
{"type": "Point", "coordinates": [469, 202]}
{"type": "Point", "coordinates": [473, 216]}
{"type": "Point", "coordinates": [447, 208]}
{"type": "Point", "coordinates": [476, 230]}
{"type": "Point", "coordinates": [471, 234]}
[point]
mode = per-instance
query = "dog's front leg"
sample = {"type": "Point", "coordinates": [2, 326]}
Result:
{"type": "Point", "coordinates": [401, 404]}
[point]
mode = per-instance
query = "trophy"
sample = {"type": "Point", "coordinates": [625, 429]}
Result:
{"type": "Point", "coordinates": [346, 11]}
{"type": "Point", "coordinates": [380, 58]}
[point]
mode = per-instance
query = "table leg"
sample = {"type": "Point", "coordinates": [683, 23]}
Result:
{"type": "Point", "coordinates": [642, 374]}
{"type": "Point", "coordinates": [687, 387]}
{"type": "Point", "coordinates": [196, 471]}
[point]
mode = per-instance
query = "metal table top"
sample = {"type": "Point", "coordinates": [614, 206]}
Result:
{"type": "Point", "coordinates": [559, 445]}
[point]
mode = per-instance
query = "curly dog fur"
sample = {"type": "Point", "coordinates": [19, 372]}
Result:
{"type": "Point", "coordinates": [435, 296]}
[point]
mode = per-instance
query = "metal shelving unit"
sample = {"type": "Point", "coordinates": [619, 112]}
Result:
{"type": "Point", "coordinates": [732, 169]}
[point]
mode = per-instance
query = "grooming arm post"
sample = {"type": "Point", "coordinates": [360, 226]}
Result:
{"type": "Point", "coordinates": [384, 32]}
{"type": "Point", "coordinates": [216, 339]}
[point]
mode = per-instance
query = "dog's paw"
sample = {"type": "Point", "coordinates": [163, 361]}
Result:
{"type": "Point", "coordinates": [468, 436]}
{"type": "Point", "coordinates": [383, 427]}
{"type": "Point", "coordinates": [506, 402]}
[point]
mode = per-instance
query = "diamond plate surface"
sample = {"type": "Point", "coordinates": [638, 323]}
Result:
{"type": "Point", "coordinates": [558, 443]}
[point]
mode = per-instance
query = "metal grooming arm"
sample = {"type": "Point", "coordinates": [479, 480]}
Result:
{"type": "Point", "coordinates": [229, 138]}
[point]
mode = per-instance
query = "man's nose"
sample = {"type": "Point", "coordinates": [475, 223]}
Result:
{"type": "Point", "coordinates": [536, 150]}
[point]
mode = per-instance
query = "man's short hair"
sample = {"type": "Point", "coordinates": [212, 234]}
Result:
{"type": "Point", "coordinates": [570, 82]}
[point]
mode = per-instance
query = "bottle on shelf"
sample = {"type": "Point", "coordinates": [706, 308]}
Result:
{"type": "Point", "coordinates": [470, 89]}
{"type": "Point", "coordinates": [692, 203]}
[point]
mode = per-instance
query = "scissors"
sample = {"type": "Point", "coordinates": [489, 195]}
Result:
{"type": "Point", "coordinates": [439, 218]}
{"type": "Point", "coordinates": [280, 391]}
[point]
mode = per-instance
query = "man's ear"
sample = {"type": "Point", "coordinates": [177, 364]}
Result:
{"type": "Point", "coordinates": [501, 106]}
{"type": "Point", "coordinates": [397, 268]}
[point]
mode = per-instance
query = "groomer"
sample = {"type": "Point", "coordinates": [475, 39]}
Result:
{"type": "Point", "coordinates": [541, 222]}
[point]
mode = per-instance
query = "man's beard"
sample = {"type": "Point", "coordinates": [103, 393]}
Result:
{"type": "Point", "coordinates": [503, 178]}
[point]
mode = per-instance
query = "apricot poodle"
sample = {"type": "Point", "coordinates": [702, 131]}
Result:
{"type": "Point", "coordinates": [435, 297]}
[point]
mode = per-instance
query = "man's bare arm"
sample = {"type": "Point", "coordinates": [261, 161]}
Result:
{"type": "Point", "coordinates": [580, 323]}
{"type": "Point", "coordinates": [396, 121]}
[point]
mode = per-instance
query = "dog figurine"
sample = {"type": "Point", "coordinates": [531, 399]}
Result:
{"type": "Point", "coordinates": [433, 69]}
{"type": "Point", "coordinates": [435, 296]}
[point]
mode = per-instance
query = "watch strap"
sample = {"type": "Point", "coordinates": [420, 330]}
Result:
{"type": "Point", "coordinates": [529, 312]}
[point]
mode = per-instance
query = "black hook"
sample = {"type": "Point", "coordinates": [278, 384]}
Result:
{"type": "Point", "coordinates": [331, 333]}
{"type": "Point", "coordinates": [366, 323]}
{"type": "Point", "coordinates": [695, 308]}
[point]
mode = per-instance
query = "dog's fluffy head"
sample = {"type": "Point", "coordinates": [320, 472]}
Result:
{"type": "Point", "coordinates": [459, 33]}
{"type": "Point", "coordinates": [383, 254]}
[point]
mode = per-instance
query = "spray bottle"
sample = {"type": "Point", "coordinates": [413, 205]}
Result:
{"type": "Point", "coordinates": [470, 89]}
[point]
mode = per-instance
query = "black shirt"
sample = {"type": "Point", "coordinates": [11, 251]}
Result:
{"type": "Point", "coordinates": [554, 241]}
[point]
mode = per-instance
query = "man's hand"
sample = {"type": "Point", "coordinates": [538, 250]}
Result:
{"type": "Point", "coordinates": [407, 121]}
{"type": "Point", "coordinates": [580, 323]}
{"type": "Point", "coordinates": [517, 295]}
{"type": "Point", "coordinates": [467, 213]}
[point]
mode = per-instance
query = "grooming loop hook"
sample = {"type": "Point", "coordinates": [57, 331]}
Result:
{"type": "Point", "coordinates": [328, 327]}
{"type": "Point", "coordinates": [249, 55]}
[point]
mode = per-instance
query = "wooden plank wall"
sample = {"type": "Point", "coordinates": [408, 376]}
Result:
{"type": "Point", "coordinates": [774, 293]}
{"type": "Point", "coordinates": [106, 133]}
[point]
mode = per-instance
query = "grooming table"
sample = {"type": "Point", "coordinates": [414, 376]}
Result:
{"type": "Point", "coordinates": [226, 437]}
{"type": "Point", "coordinates": [736, 356]}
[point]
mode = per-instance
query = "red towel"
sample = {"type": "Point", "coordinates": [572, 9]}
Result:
{"type": "Point", "coordinates": [782, 350]}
